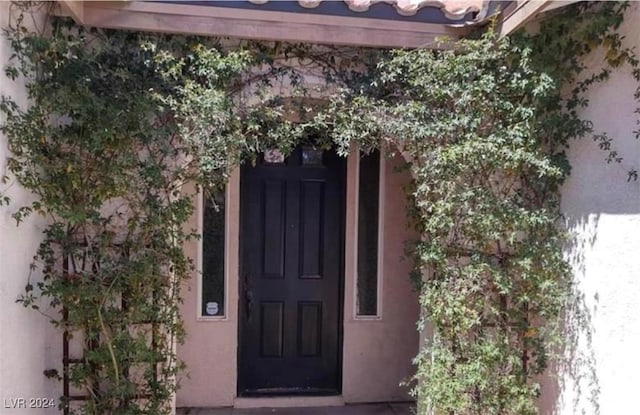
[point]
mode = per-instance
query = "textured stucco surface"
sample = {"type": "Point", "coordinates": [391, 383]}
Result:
{"type": "Point", "coordinates": [377, 353]}
{"type": "Point", "coordinates": [28, 343]}
{"type": "Point", "coordinates": [602, 210]}
{"type": "Point", "coordinates": [211, 347]}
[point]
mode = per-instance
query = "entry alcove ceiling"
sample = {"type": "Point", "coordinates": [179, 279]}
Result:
{"type": "Point", "coordinates": [372, 23]}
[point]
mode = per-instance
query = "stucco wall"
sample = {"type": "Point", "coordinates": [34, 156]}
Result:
{"type": "Point", "coordinates": [378, 352]}
{"type": "Point", "coordinates": [28, 343]}
{"type": "Point", "coordinates": [211, 347]}
{"type": "Point", "coordinates": [602, 210]}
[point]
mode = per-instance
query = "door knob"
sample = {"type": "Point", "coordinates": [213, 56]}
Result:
{"type": "Point", "coordinates": [248, 297]}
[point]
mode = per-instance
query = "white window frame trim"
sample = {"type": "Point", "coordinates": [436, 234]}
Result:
{"type": "Point", "coordinates": [200, 252]}
{"type": "Point", "coordinates": [381, 223]}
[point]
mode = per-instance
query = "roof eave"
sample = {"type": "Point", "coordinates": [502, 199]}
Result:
{"type": "Point", "coordinates": [258, 24]}
{"type": "Point", "coordinates": [526, 11]}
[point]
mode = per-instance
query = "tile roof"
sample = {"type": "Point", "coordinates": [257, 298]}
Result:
{"type": "Point", "coordinates": [452, 9]}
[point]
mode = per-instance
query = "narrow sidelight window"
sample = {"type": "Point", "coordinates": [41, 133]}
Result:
{"type": "Point", "coordinates": [213, 243]}
{"type": "Point", "coordinates": [368, 214]}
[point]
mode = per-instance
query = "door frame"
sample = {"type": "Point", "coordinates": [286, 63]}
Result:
{"type": "Point", "coordinates": [341, 285]}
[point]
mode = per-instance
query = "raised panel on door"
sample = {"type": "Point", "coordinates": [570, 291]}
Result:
{"type": "Point", "coordinates": [311, 228]}
{"type": "Point", "coordinates": [273, 228]}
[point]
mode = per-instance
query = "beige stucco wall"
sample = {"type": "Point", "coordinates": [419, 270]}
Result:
{"type": "Point", "coordinates": [210, 349]}
{"type": "Point", "coordinates": [602, 209]}
{"type": "Point", "coordinates": [377, 353]}
{"type": "Point", "coordinates": [28, 343]}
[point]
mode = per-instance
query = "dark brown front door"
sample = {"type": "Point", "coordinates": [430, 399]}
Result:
{"type": "Point", "coordinates": [291, 277]}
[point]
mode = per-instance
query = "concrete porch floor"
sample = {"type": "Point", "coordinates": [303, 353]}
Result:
{"type": "Point", "coordinates": [391, 408]}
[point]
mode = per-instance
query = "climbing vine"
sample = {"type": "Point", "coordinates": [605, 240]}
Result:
{"type": "Point", "coordinates": [106, 146]}
{"type": "Point", "coordinates": [120, 122]}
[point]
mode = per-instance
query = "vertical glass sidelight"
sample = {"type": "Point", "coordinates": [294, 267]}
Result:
{"type": "Point", "coordinates": [213, 243]}
{"type": "Point", "coordinates": [368, 207]}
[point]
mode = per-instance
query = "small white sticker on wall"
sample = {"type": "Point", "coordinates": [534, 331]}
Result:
{"type": "Point", "coordinates": [212, 308]}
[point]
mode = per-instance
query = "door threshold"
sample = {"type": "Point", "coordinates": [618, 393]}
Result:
{"type": "Point", "coordinates": [288, 401]}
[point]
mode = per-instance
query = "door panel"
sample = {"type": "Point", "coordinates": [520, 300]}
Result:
{"type": "Point", "coordinates": [292, 241]}
{"type": "Point", "coordinates": [273, 222]}
{"type": "Point", "coordinates": [311, 232]}
{"type": "Point", "coordinates": [309, 328]}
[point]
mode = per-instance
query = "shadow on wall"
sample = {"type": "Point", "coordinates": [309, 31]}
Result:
{"type": "Point", "coordinates": [602, 214]}
{"type": "Point", "coordinates": [573, 375]}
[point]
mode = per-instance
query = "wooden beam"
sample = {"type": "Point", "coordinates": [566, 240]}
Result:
{"type": "Point", "coordinates": [268, 25]}
{"type": "Point", "coordinates": [73, 8]}
{"type": "Point", "coordinates": [556, 4]}
{"type": "Point", "coordinates": [524, 11]}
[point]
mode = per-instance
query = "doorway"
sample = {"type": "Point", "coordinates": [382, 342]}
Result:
{"type": "Point", "coordinates": [291, 278]}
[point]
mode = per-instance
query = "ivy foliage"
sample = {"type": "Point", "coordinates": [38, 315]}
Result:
{"type": "Point", "coordinates": [119, 122]}
{"type": "Point", "coordinates": [485, 125]}
{"type": "Point", "coordinates": [112, 133]}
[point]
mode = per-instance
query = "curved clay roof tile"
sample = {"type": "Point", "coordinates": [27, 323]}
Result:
{"type": "Point", "coordinates": [452, 9]}
{"type": "Point", "coordinates": [309, 4]}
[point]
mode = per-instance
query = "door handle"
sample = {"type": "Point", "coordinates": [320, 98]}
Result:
{"type": "Point", "coordinates": [248, 297]}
